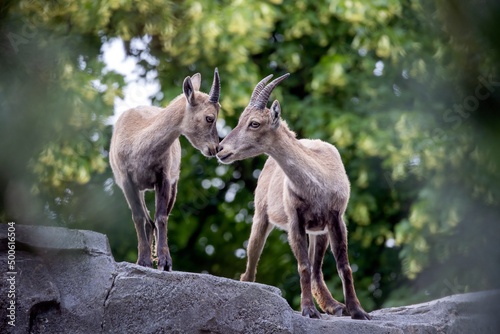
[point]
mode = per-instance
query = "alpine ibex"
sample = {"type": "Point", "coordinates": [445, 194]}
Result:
{"type": "Point", "coordinates": [145, 154]}
{"type": "Point", "coordinates": [303, 189]}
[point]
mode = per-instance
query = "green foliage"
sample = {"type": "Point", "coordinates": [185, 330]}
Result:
{"type": "Point", "coordinates": [407, 91]}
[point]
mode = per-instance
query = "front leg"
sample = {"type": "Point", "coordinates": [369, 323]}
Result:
{"type": "Point", "coordinates": [163, 194]}
{"type": "Point", "coordinates": [298, 243]}
{"type": "Point", "coordinates": [260, 230]}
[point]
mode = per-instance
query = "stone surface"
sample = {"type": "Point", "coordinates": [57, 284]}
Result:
{"type": "Point", "coordinates": [180, 302]}
{"type": "Point", "coordinates": [68, 282]}
{"type": "Point", "coordinates": [63, 277]}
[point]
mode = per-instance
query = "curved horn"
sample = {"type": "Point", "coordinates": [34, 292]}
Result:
{"type": "Point", "coordinates": [258, 88]}
{"type": "Point", "coordinates": [214, 94]}
{"type": "Point", "coordinates": [266, 92]}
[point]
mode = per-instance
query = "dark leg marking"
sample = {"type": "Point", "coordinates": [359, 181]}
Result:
{"type": "Point", "coordinates": [338, 240]}
{"type": "Point", "coordinates": [298, 243]}
{"type": "Point", "coordinates": [150, 227]}
{"type": "Point", "coordinates": [135, 200]}
{"type": "Point", "coordinates": [317, 248]}
{"type": "Point", "coordinates": [163, 192]}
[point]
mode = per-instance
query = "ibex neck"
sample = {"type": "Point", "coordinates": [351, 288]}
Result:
{"type": "Point", "coordinates": [297, 161]}
{"type": "Point", "coordinates": [166, 126]}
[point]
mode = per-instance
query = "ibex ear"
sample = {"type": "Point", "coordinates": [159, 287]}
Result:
{"type": "Point", "coordinates": [188, 89]}
{"type": "Point", "coordinates": [196, 80]}
{"type": "Point", "coordinates": [275, 115]}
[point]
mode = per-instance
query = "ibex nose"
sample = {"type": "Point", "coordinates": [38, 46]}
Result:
{"type": "Point", "coordinates": [219, 148]}
{"type": "Point", "coordinates": [212, 150]}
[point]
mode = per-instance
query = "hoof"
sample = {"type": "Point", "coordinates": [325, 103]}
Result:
{"type": "Point", "coordinates": [310, 312]}
{"type": "Point", "coordinates": [145, 263]}
{"type": "Point", "coordinates": [245, 278]}
{"type": "Point", "coordinates": [338, 310]}
{"type": "Point", "coordinates": [165, 265]}
{"type": "Point", "coordinates": [359, 314]}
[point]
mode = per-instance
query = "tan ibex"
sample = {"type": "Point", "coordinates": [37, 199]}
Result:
{"type": "Point", "coordinates": [303, 189]}
{"type": "Point", "coordinates": [145, 154]}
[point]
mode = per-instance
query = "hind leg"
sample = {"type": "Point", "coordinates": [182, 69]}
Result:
{"type": "Point", "coordinates": [150, 227]}
{"type": "Point", "coordinates": [162, 190]}
{"type": "Point", "coordinates": [135, 199]}
{"type": "Point", "coordinates": [338, 241]}
{"type": "Point", "coordinates": [317, 248]}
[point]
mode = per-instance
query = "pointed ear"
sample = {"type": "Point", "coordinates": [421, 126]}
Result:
{"type": "Point", "coordinates": [196, 80]}
{"type": "Point", "coordinates": [188, 89]}
{"type": "Point", "coordinates": [275, 115]}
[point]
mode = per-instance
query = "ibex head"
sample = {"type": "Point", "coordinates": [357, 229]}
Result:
{"type": "Point", "coordinates": [201, 114]}
{"type": "Point", "coordinates": [256, 127]}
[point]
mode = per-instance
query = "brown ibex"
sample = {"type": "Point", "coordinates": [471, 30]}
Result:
{"type": "Point", "coordinates": [145, 154]}
{"type": "Point", "coordinates": [303, 189]}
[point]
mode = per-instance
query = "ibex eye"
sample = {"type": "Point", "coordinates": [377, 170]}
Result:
{"type": "Point", "coordinates": [210, 119]}
{"type": "Point", "coordinates": [254, 125]}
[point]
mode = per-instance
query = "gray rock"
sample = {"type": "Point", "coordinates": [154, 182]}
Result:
{"type": "Point", "coordinates": [46, 238]}
{"type": "Point", "coordinates": [68, 282]}
{"type": "Point", "coordinates": [63, 278]}
{"type": "Point", "coordinates": [36, 292]}
{"type": "Point", "coordinates": [469, 313]}
{"type": "Point", "coordinates": [180, 302]}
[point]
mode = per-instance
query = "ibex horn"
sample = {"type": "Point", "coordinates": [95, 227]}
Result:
{"type": "Point", "coordinates": [263, 97]}
{"type": "Point", "coordinates": [258, 89]}
{"type": "Point", "coordinates": [214, 94]}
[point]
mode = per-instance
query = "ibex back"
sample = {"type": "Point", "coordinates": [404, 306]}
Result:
{"type": "Point", "coordinates": [145, 154]}
{"type": "Point", "coordinates": [303, 189]}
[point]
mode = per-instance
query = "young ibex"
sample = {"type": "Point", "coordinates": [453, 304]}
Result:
{"type": "Point", "coordinates": [304, 189]}
{"type": "Point", "coordinates": [145, 154]}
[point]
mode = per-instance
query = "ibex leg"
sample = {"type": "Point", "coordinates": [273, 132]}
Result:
{"type": "Point", "coordinates": [338, 241]}
{"type": "Point", "coordinates": [260, 231]}
{"type": "Point", "coordinates": [164, 204]}
{"type": "Point", "coordinates": [141, 221]}
{"type": "Point", "coordinates": [317, 248]}
{"type": "Point", "coordinates": [298, 243]}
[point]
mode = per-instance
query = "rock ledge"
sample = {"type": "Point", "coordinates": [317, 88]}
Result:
{"type": "Point", "coordinates": [68, 282]}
